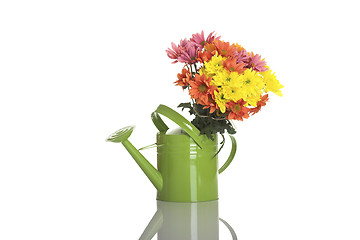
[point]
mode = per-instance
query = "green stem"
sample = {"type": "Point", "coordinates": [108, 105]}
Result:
{"type": "Point", "coordinates": [222, 145]}
{"type": "Point", "coordinates": [195, 68]}
{"type": "Point", "coordinates": [191, 69]}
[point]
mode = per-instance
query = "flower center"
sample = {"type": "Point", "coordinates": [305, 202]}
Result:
{"type": "Point", "coordinates": [202, 88]}
{"type": "Point", "coordinates": [237, 108]}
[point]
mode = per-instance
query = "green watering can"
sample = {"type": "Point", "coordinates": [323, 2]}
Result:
{"type": "Point", "coordinates": [187, 161]}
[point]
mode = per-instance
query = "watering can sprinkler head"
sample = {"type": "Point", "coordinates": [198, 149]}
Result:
{"type": "Point", "coordinates": [152, 173]}
{"type": "Point", "coordinates": [121, 135]}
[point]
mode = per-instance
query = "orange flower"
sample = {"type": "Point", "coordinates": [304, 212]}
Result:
{"type": "Point", "coordinates": [200, 89]}
{"type": "Point", "coordinates": [210, 47]}
{"type": "Point", "coordinates": [183, 78]}
{"type": "Point", "coordinates": [204, 56]}
{"type": "Point", "coordinates": [210, 103]}
{"type": "Point", "coordinates": [239, 48]}
{"type": "Point", "coordinates": [260, 104]}
{"type": "Point", "coordinates": [238, 110]}
{"type": "Point", "coordinates": [232, 65]}
{"type": "Point", "coordinates": [208, 52]}
{"type": "Point", "coordinates": [225, 49]}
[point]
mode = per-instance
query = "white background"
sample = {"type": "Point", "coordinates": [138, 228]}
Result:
{"type": "Point", "coordinates": [73, 72]}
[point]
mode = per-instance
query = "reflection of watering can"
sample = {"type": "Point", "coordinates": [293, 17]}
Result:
{"type": "Point", "coordinates": [187, 161]}
{"type": "Point", "coordinates": [185, 221]}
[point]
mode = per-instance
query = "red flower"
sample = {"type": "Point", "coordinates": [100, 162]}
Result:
{"type": "Point", "coordinates": [238, 110]}
{"type": "Point", "coordinates": [183, 78]}
{"type": "Point", "coordinates": [208, 52]}
{"type": "Point", "coordinates": [259, 104]}
{"type": "Point", "coordinates": [225, 49]}
{"type": "Point", "coordinates": [232, 65]}
{"type": "Point", "coordinates": [201, 89]}
{"type": "Point", "coordinates": [210, 103]}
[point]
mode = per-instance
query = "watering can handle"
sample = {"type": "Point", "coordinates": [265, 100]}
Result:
{"type": "Point", "coordinates": [188, 127]}
{"type": "Point", "coordinates": [182, 122]}
{"type": "Point", "coordinates": [232, 154]}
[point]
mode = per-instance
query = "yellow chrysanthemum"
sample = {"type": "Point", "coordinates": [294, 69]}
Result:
{"type": "Point", "coordinates": [226, 78]}
{"type": "Point", "coordinates": [233, 93]}
{"type": "Point", "coordinates": [214, 66]}
{"type": "Point", "coordinates": [271, 82]}
{"type": "Point", "coordinates": [252, 86]}
{"type": "Point", "coordinates": [230, 84]}
{"type": "Point", "coordinates": [221, 100]}
{"type": "Point", "coordinates": [203, 71]}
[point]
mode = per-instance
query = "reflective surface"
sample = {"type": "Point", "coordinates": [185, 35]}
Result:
{"type": "Point", "coordinates": [185, 221]}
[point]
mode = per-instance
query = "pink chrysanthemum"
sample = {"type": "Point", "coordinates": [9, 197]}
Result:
{"type": "Point", "coordinates": [177, 50]}
{"type": "Point", "coordinates": [174, 52]}
{"type": "Point", "coordinates": [185, 52]}
{"type": "Point", "coordinates": [189, 53]}
{"type": "Point", "coordinates": [243, 57]}
{"type": "Point", "coordinates": [256, 63]}
{"type": "Point", "coordinates": [199, 39]}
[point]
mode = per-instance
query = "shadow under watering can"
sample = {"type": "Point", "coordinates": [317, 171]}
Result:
{"type": "Point", "coordinates": [185, 221]}
{"type": "Point", "coordinates": [187, 162]}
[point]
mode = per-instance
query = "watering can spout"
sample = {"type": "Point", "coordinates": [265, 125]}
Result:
{"type": "Point", "coordinates": [150, 171]}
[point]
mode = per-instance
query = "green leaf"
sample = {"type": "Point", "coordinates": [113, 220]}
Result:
{"type": "Point", "coordinates": [187, 105]}
{"type": "Point", "coordinates": [208, 123]}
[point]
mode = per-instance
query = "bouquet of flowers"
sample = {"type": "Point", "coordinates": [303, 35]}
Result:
{"type": "Point", "coordinates": [225, 82]}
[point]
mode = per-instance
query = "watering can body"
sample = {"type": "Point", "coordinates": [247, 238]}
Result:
{"type": "Point", "coordinates": [187, 162]}
{"type": "Point", "coordinates": [189, 173]}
